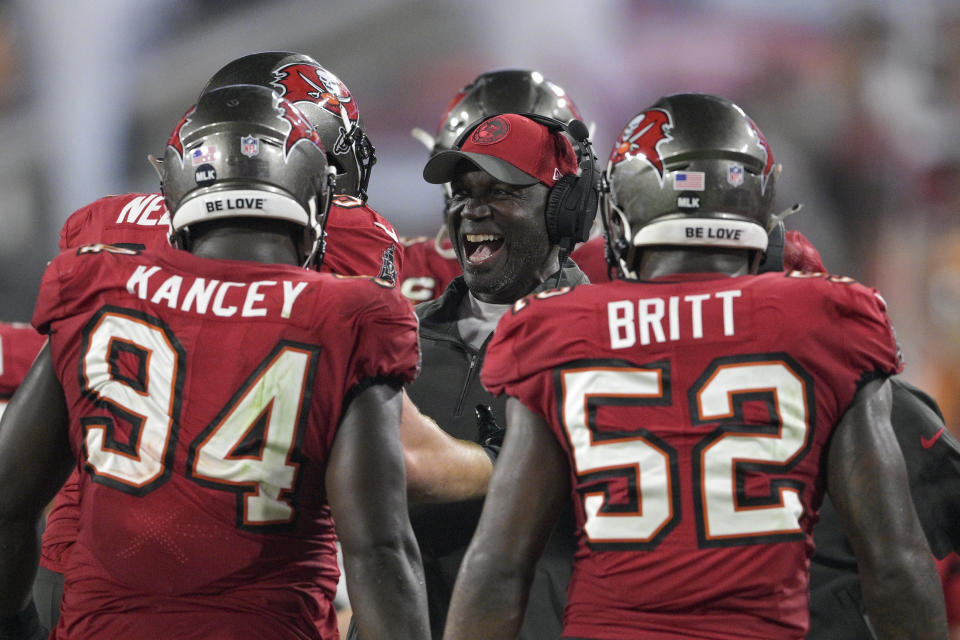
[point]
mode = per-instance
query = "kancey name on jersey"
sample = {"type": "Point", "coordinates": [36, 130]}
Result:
{"type": "Point", "coordinates": [659, 319]}
{"type": "Point", "coordinates": [202, 296]}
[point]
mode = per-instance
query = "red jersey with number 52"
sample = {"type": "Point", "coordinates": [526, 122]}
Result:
{"type": "Point", "coordinates": [204, 396]}
{"type": "Point", "coordinates": [694, 411]}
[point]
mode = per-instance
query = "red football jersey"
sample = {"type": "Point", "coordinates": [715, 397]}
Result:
{"type": "Point", "coordinates": [360, 242]}
{"type": "Point", "coordinates": [427, 269]}
{"type": "Point", "coordinates": [589, 256]}
{"type": "Point", "coordinates": [19, 345]}
{"type": "Point", "coordinates": [204, 396]}
{"type": "Point", "coordinates": [694, 412]}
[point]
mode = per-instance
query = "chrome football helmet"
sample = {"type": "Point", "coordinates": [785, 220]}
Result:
{"type": "Point", "coordinates": [243, 151]}
{"type": "Point", "coordinates": [506, 91]}
{"type": "Point", "coordinates": [323, 98]}
{"type": "Point", "coordinates": [691, 170]}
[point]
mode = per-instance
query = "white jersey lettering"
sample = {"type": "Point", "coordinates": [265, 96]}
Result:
{"type": "Point", "coordinates": [665, 319]}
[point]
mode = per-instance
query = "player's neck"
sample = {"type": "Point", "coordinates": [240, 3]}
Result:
{"type": "Point", "coordinates": [242, 244]}
{"type": "Point", "coordinates": [656, 263]}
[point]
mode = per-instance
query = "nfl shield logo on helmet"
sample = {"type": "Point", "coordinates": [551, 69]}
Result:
{"type": "Point", "coordinates": [735, 175]}
{"type": "Point", "coordinates": [249, 146]}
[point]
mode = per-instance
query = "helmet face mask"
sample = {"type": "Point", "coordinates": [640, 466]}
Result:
{"type": "Point", "coordinates": [692, 170]}
{"type": "Point", "coordinates": [244, 152]}
{"type": "Point", "coordinates": [324, 100]}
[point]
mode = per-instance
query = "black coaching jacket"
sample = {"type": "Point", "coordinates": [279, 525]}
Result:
{"type": "Point", "coordinates": [448, 390]}
{"type": "Point", "coordinates": [932, 459]}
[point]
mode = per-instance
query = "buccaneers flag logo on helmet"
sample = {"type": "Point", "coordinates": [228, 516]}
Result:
{"type": "Point", "coordinates": [300, 128]}
{"type": "Point", "coordinates": [175, 140]}
{"type": "Point", "coordinates": [643, 136]}
{"type": "Point", "coordinates": [768, 155]}
{"type": "Point", "coordinates": [301, 82]}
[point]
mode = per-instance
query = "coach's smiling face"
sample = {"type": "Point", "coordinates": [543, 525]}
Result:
{"type": "Point", "coordinates": [500, 236]}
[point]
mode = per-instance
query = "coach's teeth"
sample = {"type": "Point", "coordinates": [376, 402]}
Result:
{"type": "Point", "coordinates": [481, 237]}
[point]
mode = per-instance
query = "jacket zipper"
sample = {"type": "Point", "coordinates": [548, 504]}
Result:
{"type": "Point", "coordinates": [474, 361]}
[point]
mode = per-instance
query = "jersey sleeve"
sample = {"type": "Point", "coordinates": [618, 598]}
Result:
{"type": "Point", "coordinates": [361, 242]}
{"type": "Point", "coordinates": [72, 282]}
{"type": "Point", "coordinates": [50, 305]}
{"type": "Point", "coordinates": [387, 340]}
{"type": "Point", "coordinates": [19, 345]}
{"type": "Point", "coordinates": [867, 335]}
{"type": "Point", "coordinates": [71, 231]}
{"type": "Point", "coordinates": [520, 349]}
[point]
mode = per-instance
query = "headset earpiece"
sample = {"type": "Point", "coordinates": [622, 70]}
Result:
{"type": "Point", "coordinates": [572, 201]}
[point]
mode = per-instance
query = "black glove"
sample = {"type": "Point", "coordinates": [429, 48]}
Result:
{"type": "Point", "coordinates": [23, 626]}
{"type": "Point", "coordinates": [489, 433]}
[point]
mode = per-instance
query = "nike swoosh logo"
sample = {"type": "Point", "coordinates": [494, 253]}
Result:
{"type": "Point", "coordinates": [926, 443]}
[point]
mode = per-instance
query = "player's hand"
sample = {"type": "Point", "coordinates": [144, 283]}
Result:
{"type": "Point", "coordinates": [489, 433]}
{"type": "Point", "coordinates": [799, 254]}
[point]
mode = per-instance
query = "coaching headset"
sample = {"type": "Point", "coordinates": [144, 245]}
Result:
{"type": "Point", "coordinates": [572, 201]}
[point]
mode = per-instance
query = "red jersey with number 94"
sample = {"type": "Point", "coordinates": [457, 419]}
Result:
{"type": "Point", "coordinates": [694, 412]}
{"type": "Point", "coordinates": [204, 396]}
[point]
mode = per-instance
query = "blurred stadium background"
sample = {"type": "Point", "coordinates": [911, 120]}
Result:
{"type": "Point", "coordinates": [860, 101]}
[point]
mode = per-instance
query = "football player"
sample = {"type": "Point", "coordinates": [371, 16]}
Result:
{"type": "Point", "coordinates": [226, 406]}
{"type": "Point", "coordinates": [431, 263]}
{"type": "Point", "coordinates": [367, 243]}
{"type": "Point", "coordinates": [363, 242]}
{"type": "Point", "coordinates": [695, 414]}
{"type": "Point", "coordinates": [932, 457]}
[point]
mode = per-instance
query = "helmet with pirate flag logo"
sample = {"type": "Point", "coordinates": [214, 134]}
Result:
{"type": "Point", "coordinates": [504, 91]}
{"type": "Point", "coordinates": [324, 100]}
{"type": "Point", "coordinates": [245, 152]}
{"type": "Point", "coordinates": [691, 170]}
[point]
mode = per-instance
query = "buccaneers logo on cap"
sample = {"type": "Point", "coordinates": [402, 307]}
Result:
{"type": "Point", "coordinates": [175, 140]}
{"type": "Point", "coordinates": [301, 82]}
{"type": "Point", "coordinates": [642, 137]}
{"type": "Point", "coordinates": [493, 130]}
{"type": "Point", "coordinates": [300, 128]}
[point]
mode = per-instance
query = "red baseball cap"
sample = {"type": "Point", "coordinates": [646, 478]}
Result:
{"type": "Point", "coordinates": [513, 149]}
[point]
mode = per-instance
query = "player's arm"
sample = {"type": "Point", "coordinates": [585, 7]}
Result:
{"type": "Point", "coordinates": [35, 460]}
{"type": "Point", "coordinates": [867, 481]}
{"type": "Point", "coordinates": [932, 456]}
{"type": "Point", "coordinates": [365, 489]}
{"type": "Point", "coordinates": [526, 493]}
{"type": "Point", "coordinates": [440, 468]}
